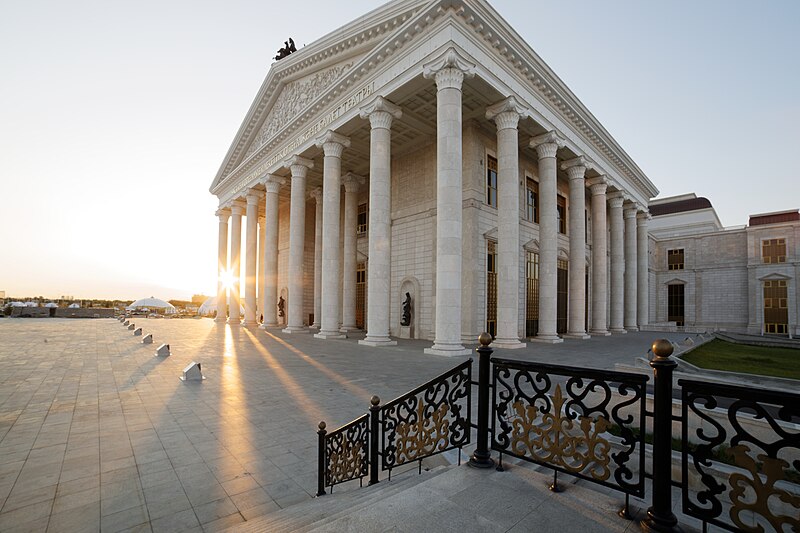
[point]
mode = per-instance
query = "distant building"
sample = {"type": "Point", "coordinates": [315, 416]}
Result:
{"type": "Point", "coordinates": [706, 277]}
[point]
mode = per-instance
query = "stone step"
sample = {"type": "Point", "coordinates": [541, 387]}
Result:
{"type": "Point", "coordinates": [317, 511]}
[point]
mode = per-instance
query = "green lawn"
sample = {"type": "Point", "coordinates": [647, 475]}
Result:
{"type": "Point", "coordinates": [721, 355]}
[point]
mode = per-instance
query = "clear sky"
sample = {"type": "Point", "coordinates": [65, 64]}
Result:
{"type": "Point", "coordinates": [115, 116]}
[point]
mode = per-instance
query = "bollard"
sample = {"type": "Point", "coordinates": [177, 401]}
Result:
{"type": "Point", "coordinates": [321, 460]}
{"type": "Point", "coordinates": [659, 516]}
{"type": "Point", "coordinates": [374, 436]}
{"type": "Point", "coordinates": [481, 457]}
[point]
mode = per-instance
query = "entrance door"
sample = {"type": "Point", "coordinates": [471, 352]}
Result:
{"type": "Point", "coordinates": [361, 293]}
{"type": "Point", "coordinates": [776, 309]}
{"type": "Point", "coordinates": [491, 288]}
{"type": "Point", "coordinates": [531, 294]}
{"type": "Point", "coordinates": [675, 304]}
{"type": "Point", "coordinates": [561, 296]}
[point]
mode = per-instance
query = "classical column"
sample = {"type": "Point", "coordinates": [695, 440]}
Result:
{"type": "Point", "coordinates": [297, 236]}
{"type": "Point", "coordinates": [222, 265]}
{"type": "Point", "coordinates": [506, 115]}
{"type": "Point", "coordinates": [617, 254]}
{"type": "Point", "coordinates": [332, 145]}
{"type": "Point", "coordinates": [598, 188]}
{"type": "Point", "coordinates": [251, 251]}
{"type": "Point", "coordinates": [576, 171]}
{"type": "Point", "coordinates": [546, 146]}
{"type": "Point", "coordinates": [262, 239]}
{"type": "Point", "coordinates": [449, 71]}
{"type": "Point", "coordinates": [270, 256]}
{"type": "Point", "coordinates": [629, 214]}
{"type": "Point", "coordinates": [316, 194]}
{"type": "Point", "coordinates": [380, 112]}
{"type": "Point", "coordinates": [234, 298]}
{"type": "Point", "coordinates": [642, 274]}
{"type": "Point", "coordinates": [351, 185]}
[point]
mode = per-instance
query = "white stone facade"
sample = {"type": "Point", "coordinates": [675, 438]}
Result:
{"type": "Point", "coordinates": [414, 98]}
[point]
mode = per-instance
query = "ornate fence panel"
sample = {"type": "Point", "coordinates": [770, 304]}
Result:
{"type": "Point", "coordinates": [431, 419]}
{"type": "Point", "coordinates": [563, 418]}
{"type": "Point", "coordinates": [741, 457]}
{"type": "Point", "coordinates": [347, 452]}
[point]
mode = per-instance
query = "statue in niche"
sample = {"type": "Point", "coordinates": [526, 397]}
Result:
{"type": "Point", "coordinates": [281, 307]}
{"type": "Point", "coordinates": [406, 321]}
{"type": "Point", "coordinates": [288, 48]}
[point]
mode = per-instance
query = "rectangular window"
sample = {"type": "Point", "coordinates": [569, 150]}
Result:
{"type": "Point", "coordinates": [675, 259]}
{"type": "Point", "coordinates": [773, 251]}
{"type": "Point", "coordinates": [491, 181]}
{"type": "Point", "coordinates": [776, 309]}
{"type": "Point", "coordinates": [491, 288]}
{"type": "Point", "coordinates": [532, 201]}
{"type": "Point", "coordinates": [532, 294]}
{"type": "Point", "coordinates": [675, 302]}
{"type": "Point", "coordinates": [561, 210]}
{"type": "Point", "coordinates": [361, 224]}
{"type": "Point", "coordinates": [562, 276]}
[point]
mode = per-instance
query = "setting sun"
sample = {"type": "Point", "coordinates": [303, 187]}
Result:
{"type": "Point", "coordinates": [227, 278]}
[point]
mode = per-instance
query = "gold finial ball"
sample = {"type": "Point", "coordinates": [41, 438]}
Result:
{"type": "Point", "coordinates": [374, 401]}
{"type": "Point", "coordinates": [662, 348]}
{"type": "Point", "coordinates": [322, 425]}
{"type": "Point", "coordinates": [485, 339]}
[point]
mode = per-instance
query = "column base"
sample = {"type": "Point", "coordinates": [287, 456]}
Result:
{"type": "Point", "coordinates": [329, 335]}
{"type": "Point", "coordinates": [250, 324]}
{"type": "Point", "coordinates": [266, 325]}
{"type": "Point", "coordinates": [618, 331]}
{"type": "Point", "coordinates": [377, 341]}
{"type": "Point", "coordinates": [547, 339]}
{"type": "Point", "coordinates": [295, 329]}
{"type": "Point", "coordinates": [577, 335]}
{"type": "Point", "coordinates": [348, 329]}
{"type": "Point", "coordinates": [220, 320]}
{"type": "Point", "coordinates": [447, 350]}
{"type": "Point", "coordinates": [234, 322]}
{"type": "Point", "coordinates": [632, 328]}
{"type": "Point", "coordinates": [600, 333]}
{"type": "Point", "coordinates": [508, 344]}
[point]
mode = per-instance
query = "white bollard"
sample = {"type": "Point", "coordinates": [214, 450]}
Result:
{"type": "Point", "coordinates": [163, 350]}
{"type": "Point", "coordinates": [147, 339]}
{"type": "Point", "coordinates": [127, 322]}
{"type": "Point", "coordinates": [192, 372]}
{"type": "Point", "coordinates": [137, 332]}
{"type": "Point", "coordinates": [132, 326]}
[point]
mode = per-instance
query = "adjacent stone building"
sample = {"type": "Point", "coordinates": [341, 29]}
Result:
{"type": "Point", "coordinates": [426, 150]}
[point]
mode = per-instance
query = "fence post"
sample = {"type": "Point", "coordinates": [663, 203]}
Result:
{"type": "Point", "coordinates": [659, 516]}
{"type": "Point", "coordinates": [321, 460]}
{"type": "Point", "coordinates": [481, 457]}
{"type": "Point", "coordinates": [374, 437]}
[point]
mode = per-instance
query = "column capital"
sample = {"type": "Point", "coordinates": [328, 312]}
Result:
{"type": "Point", "coordinates": [273, 183]}
{"type": "Point", "coordinates": [352, 182]}
{"type": "Point", "coordinates": [298, 166]}
{"type": "Point", "coordinates": [629, 211]}
{"type": "Point", "coordinates": [223, 213]}
{"type": "Point", "coordinates": [506, 113]}
{"type": "Point", "coordinates": [616, 199]}
{"type": "Point", "coordinates": [238, 207]}
{"type": "Point", "coordinates": [642, 217]}
{"type": "Point", "coordinates": [597, 185]}
{"type": "Point", "coordinates": [316, 194]}
{"type": "Point", "coordinates": [380, 113]}
{"type": "Point", "coordinates": [577, 162]}
{"type": "Point", "coordinates": [449, 70]}
{"type": "Point", "coordinates": [332, 143]}
{"type": "Point", "coordinates": [547, 144]}
{"type": "Point", "coordinates": [253, 196]}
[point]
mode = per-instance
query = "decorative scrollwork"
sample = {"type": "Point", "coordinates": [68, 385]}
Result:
{"type": "Point", "coordinates": [563, 425]}
{"type": "Point", "coordinates": [762, 492]}
{"type": "Point", "coordinates": [347, 452]}
{"type": "Point", "coordinates": [430, 419]}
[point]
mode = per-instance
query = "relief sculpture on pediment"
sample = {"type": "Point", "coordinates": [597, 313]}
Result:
{"type": "Point", "coordinates": [295, 97]}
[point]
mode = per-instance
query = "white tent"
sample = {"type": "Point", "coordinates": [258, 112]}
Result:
{"type": "Point", "coordinates": [51, 304]}
{"type": "Point", "coordinates": [17, 304]}
{"type": "Point", "coordinates": [209, 307]}
{"type": "Point", "coordinates": [152, 303]}
{"type": "Point", "coordinates": [73, 306]}
{"type": "Point", "coordinates": [31, 304]}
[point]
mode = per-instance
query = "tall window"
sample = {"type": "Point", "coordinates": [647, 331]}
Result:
{"type": "Point", "coordinates": [675, 304]}
{"type": "Point", "coordinates": [491, 288]}
{"type": "Point", "coordinates": [776, 308]}
{"type": "Point", "coordinates": [361, 294]}
{"type": "Point", "coordinates": [562, 275]}
{"type": "Point", "coordinates": [491, 181]}
{"type": "Point", "coordinates": [361, 224]}
{"type": "Point", "coordinates": [532, 201]}
{"type": "Point", "coordinates": [675, 259]}
{"type": "Point", "coordinates": [773, 251]}
{"type": "Point", "coordinates": [561, 210]}
{"type": "Point", "coordinates": [532, 294]}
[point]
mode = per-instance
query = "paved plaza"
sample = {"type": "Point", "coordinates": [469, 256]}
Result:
{"type": "Point", "coordinates": [97, 433]}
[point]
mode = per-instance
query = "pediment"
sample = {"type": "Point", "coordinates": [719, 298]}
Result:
{"type": "Point", "coordinates": [774, 276]}
{"type": "Point", "coordinates": [675, 281]}
{"type": "Point", "coordinates": [491, 235]}
{"type": "Point", "coordinates": [532, 245]}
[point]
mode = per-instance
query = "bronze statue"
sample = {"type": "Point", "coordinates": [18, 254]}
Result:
{"type": "Point", "coordinates": [281, 305]}
{"type": "Point", "coordinates": [406, 321]}
{"type": "Point", "coordinates": [288, 48]}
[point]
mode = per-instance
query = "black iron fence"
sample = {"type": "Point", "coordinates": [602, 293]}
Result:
{"type": "Point", "coordinates": [738, 448]}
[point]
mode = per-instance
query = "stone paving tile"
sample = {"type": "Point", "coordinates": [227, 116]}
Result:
{"type": "Point", "coordinates": [94, 414]}
{"type": "Point", "coordinates": [124, 520]}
